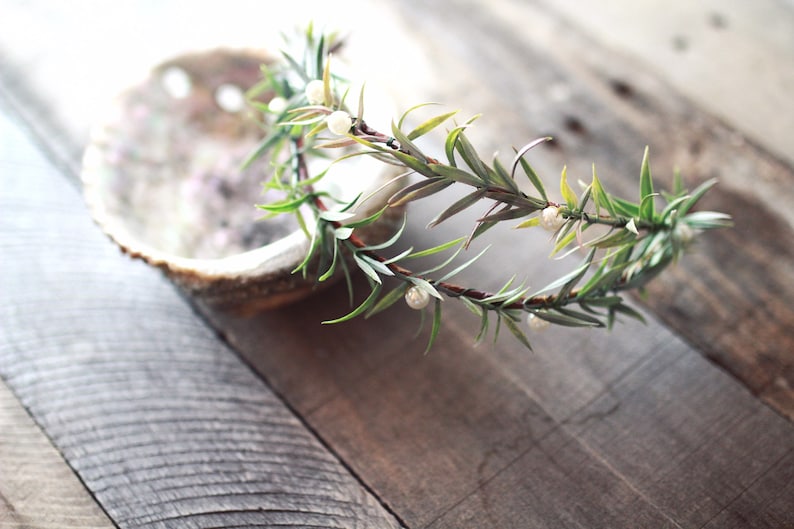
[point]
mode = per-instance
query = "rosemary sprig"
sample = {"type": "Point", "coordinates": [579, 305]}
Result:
{"type": "Point", "coordinates": [636, 241]}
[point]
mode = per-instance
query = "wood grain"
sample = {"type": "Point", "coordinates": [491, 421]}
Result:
{"type": "Point", "coordinates": [37, 487]}
{"type": "Point", "coordinates": [633, 429]}
{"type": "Point", "coordinates": [164, 425]}
{"type": "Point", "coordinates": [629, 429]}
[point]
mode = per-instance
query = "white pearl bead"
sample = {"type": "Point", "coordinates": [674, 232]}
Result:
{"type": "Point", "coordinates": [537, 324]}
{"type": "Point", "coordinates": [277, 105]}
{"type": "Point", "coordinates": [315, 92]}
{"type": "Point", "coordinates": [339, 122]}
{"type": "Point", "coordinates": [551, 219]}
{"type": "Point", "coordinates": [416, 298]}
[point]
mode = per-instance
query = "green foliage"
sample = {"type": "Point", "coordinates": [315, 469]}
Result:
{"type": "Point", "coordinates": [635, 241]}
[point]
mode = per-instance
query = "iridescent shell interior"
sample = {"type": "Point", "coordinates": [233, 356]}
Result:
{"type": "Point", "coordinates": [163, 177]}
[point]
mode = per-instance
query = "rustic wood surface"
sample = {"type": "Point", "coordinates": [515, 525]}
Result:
{"type": "Point", "coordinates": [163, 423]}
{"type": "Point", "coordinates": [37, 487]}
{"type": "Point", "coordinates": [685, 422]}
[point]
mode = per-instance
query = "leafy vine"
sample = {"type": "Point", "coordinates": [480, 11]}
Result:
{"type": "Point", "coordinates": [306, 102]}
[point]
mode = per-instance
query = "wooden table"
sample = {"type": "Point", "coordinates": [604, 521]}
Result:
{"type": "Point", "coordinates": [124, 404]}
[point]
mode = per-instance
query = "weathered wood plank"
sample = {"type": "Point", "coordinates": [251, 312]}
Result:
{"type": "Point", "coordinates": [734, 59]}
{"type": "Point", "coordinates": [38, 490]}
{"type": "Point", "coordinates": [496, 437]}
{"type": "Point", "coordinates": [436, 435]}
{"type": "Point", "coordinates": [163, 424]}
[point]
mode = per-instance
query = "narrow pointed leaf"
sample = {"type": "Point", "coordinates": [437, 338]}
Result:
{"type": "Point", "coordinates": [430, 124]}
{"type": "Point", "coordinates": [533, 177]}
{"type": "Point", "coordinates": [516, 331]}
{"type": "Point", "coordinates": [436, 326]}
{"type": "Point", "coordinates": [388, 300]}
{"type": "Point", "coordinates": [469, 155]}
{"type": "Point", "coordinates": [369, 302]}
{"type": "Point", "coordinates": [419, 190]}
{"type": "Point", "coordinates": [456, 174]}
{"type": "Point", "coordinates": [601, 197]}
{"type": "Point", "coordinates": [437, 249]}
{"type": "Point", "coordinates": [647, 205]}
{"type": "Point", "coordinates": [457, 207]}
{"type": "Point", "coordinates": [696, 195]}
{"type": "Point", "coordinates": [565, 190]}
{"type": "Point", "coordinates": [366, 268]}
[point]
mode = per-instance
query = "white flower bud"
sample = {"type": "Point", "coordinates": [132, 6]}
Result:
{"type": "Point", "coordinates": [537, 324]}
{"type": "Point", "coordinates": [277, 105]}
{"type": "Point", "coordinates": [551, 219]}
{"type": "Point", "coordinates": [315, 92]}
{"type": "Point", "coordinates": [416, 298]}
{"type": "Point", "coordinates": [339, 122]}
{"type": "Point", "coordinates": [684, 233]}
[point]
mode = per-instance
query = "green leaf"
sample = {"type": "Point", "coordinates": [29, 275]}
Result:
{"type": "Point", "coordinates": [413, 163]}
{"type": "Point", "coordinates": [672, 206]}
{"type": "Point", "coordinates": [331, 269]}
{"type": "Point", "coordinates": [388, 300]}
{"type": "Point", "coordinates": [502, 177]}
{"type": "Point", "coordinates": [458, 175]}
{"type": "Point", "coordinates": [465, 265]}
{"type": "Point", "coordinates": [533, 177]}
{"type": "Point", "coordinates": [581, 316]}
{"type": "Point", "coordinates": [625, 208]}
{"type": "Point", "coordinates": [430, 124]}
{"type": "Point", "coordinates": [601, 197]}
{"type": "Point", "coordinates": [571, 277]}
{"type": "Point", "coordinates": [452, 140]}
{"type": "Point", "coordinates": [567, 193]}
{"type": "Point", "coordinates": [618, 237]}
{"type": "Point", "coordinates": [678, 183]}
{"type": "Point", "coordinates": [419, 190]}
{"type": "Point", "coordinates": [406, 144]}
{"type": "Point", "coordinates": [507, 214]}
{"type": "Point", "coordinates": [564, 241]}
{"type": "Point", "coordinates": [369, 302]}
{"type": "Point", "coordinates": [265, 145]}
{"type": "Point", "coordinates": [296, 66]}
{"type": "Point", "coordinates": [366, 268]}
{"type": "Point", "coordinates": [628, 311]}
{"type": "Point", "coordinates": [696, 195]}
{"type": "Point", "coordinates": [567, 288]}
{"type": "Point", "coordinates": [426, 286]}
{"type": "Point", "coordinates": [529, 223]}
{"type": "Point", "coordinates": [562, 319]}
{"type": "Point", "coordinates": [391, 240]}
{"type": "Point", "coordinates": [336, 216]}
{"type": "Point", "coordinates": [470, 157]}
{"type": "Point", "coordinates": [343, 233]}
{"type": "Point", "coordinates": [379, 267]}
{"type": "Point", "coordinates": [285, 206]}
{"type": "Point", "coordinates": [647, 205]}
{"type": "Point", "coordinates": [410, 110]}
{"type": "Point", "coordinates": [457, 207]}
{"type": "Point", "coordinates": [368, 220]}
{"type": "Point", "coordinates": [516, 331]}
{"type": "Point", "coordinates": [437, 249]}
{"type": "Point", "coordinates": [436, 326]}
{"type": "Point", "coordinates": [705, 220]}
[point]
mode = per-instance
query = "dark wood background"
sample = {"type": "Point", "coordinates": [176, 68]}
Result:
{"type": "Point", "coordinates": [122, 404]}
